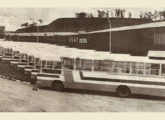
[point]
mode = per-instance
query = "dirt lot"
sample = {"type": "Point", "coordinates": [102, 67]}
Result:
{"type": "Point", "coordinates": [18, 96]}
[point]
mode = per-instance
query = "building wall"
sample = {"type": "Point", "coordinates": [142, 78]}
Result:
{"type": "Point", "coordinates": [134, 42]}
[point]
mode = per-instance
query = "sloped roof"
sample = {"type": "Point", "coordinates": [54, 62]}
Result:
{"type": "Point", "coordinates": [85, 24]}
{"type": "Point", "coordinates": [133, 27]}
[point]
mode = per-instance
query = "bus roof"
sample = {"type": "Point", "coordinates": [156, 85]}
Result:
{"type": "Point", "coordinates": [119, 57]}
{"type": "Point", "coordinates": [156, 54]}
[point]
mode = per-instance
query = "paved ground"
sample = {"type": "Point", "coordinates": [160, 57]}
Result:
{"type": "Point", "coordinates": [17, 96]}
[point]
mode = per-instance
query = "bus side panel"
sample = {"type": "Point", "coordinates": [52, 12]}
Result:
{"type": "Point", "coordinates": [146, 90]}
{"type": "Point", "coordinates": [70, 77]}
{"type": "Point", "coordinates": [135, 89]}
{"type": "Point", "coordinates": [78, 83]}
{"type": "Point", "coordinates": [76, 76]}
{"type": "Point", "coordinates": [91, 86]}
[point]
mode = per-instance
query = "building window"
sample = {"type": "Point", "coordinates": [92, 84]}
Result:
{"type": "Point", "coordinates": [83, 40]}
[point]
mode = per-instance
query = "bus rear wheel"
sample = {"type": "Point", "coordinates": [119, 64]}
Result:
{"type": "Point", "coordinates": [123, 91]}
{"type": "Point", "coordinates": [57, 86]}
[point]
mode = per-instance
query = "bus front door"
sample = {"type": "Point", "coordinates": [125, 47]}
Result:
{"type": "Point", "coordinates": [68, 76]}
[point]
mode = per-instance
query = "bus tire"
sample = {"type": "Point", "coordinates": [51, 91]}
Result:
{"type": "Point", "coordinates": [123, 91]}
{"type": "Point", "coordinates": [57, 86]}
{"type": "Point", "coordinates": [32, 82]}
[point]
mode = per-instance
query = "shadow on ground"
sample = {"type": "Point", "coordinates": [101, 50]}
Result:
{"type": "Point", "coordinates": [112, 94]}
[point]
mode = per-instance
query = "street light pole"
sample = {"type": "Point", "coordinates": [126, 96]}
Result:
{"type": "Point", "coordinates": [37, 33]}
{"type": "Point", "coordinates": [40, 21]}
{"type": "Point", "coordinates": [110, 37]}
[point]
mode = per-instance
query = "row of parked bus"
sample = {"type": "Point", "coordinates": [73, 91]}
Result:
{"type": "Point", "coordinates": [124, 75]}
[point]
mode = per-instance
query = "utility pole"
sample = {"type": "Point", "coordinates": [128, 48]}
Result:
{"type": "Point", "coordinates": [37, 33]}
{"type": "Point", "coordinates": [110, 37]}
{"type": "Point", "coordinates": [40, 21]}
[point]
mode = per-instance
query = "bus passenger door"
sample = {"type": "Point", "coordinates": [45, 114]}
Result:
{"type": "Point", "coordinates": [68, 66]}
{"type": "Point", "coordinates": [68, 76]}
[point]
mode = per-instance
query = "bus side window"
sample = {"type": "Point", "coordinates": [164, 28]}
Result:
{"type": "Point", "coordinates": [137, 68]}
{"type": "Point", "coordinates": [68, 63]}
{"type": "Point", "coordinates": [103, 65]}
{"type": "Point", "coordinates": [163, 69]}
{"type": "Point", "coordinates": [43, 64]}
{"type": "Point", "coordinates": [57, 65]}
{"type": "Point", "coordinates": [126, 67]}
{"type": "Point", "coordinates": [152, 69]}
{"type": "Point", "coordinates": [99, 65]}
{"type": "Point", "coordinates": [155, 69]}
{"type": "Point", "coordinates": [120, 67]}
{"type": "Point", "coordinates": [87, 65]}
{"type": "Point", "coordinates": [37, 62]}
{"type": "Point", "coordinates": [50, 64]}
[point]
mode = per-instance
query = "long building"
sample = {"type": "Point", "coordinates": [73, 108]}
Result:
{"type": "Point", "coordinates": [126, 36]}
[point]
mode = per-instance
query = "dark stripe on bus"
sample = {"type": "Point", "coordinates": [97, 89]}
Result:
{"type": "Point", "coordinates": [122, 81]}
{"type": "Point", "coordinates": [45, 75]}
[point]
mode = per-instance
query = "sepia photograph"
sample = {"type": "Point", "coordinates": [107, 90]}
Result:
{"type": "Point", "coordinates": [88, 59]}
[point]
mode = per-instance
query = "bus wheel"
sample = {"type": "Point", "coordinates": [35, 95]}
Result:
{"type": "Point", "coordinates": [32, 82]}
{"type": "Point", "coordinates": [123, 91]}
{"type": "Point", "coordinates": [57, 85]}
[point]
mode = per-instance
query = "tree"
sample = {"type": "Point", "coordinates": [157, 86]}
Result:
{"type": "Point", "coordinates": [141, 15]}
{"type": "Point", "coordinates": [117, 13]}
{"type": "Point", "coordinates": [103, 14]}
{"type": "Point", "coordinates": [81, 15]}
{"type": "Point", "coordinates": [25, 25]}
{"type": "Point", "coordinates": [146, 15]}
{"type": "Point", "coordinates": [129, 14]}
{"type": "Point", "coordinates": [89, 15]}
{"type": "Point", "coordinates": [40, 21]}
{"type": "Point", "coordinates": [107, 14]}
{"type": "Point", "coordinates": [99, 14]}
{"type": "Point", "coordinates": [33, 24]}
{"type": "Point", "coordinates": [112, 14]}
{"type": "Point", "coordinates": [162, 14]}
{"type": "Point", "coordinates": [120, 13]}
{"type": "Point", "coordinates": [155, 15]}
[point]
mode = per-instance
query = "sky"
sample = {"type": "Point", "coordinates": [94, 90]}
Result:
{"type": "Point", "coordinates": [12, 18]}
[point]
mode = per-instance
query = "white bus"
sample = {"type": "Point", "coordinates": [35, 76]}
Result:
{"type": "Point", "coordinates": [125, 76]}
